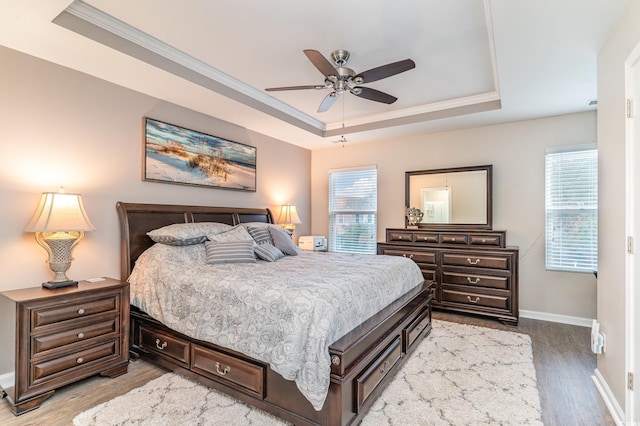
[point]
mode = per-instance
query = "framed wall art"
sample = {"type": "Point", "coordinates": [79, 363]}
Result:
{"type": "Point", "coordinates": [173, 154]}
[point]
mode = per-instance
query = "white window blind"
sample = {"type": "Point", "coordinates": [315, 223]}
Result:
{"type": "Point", "coordinates": [353, 205]}
{"type": "Point", "coordinates": [571, 204]}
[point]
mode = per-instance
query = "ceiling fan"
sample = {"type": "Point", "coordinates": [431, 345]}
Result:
{"type": "Point", "coordinates": [341, 79]}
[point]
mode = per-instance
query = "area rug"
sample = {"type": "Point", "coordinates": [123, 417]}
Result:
{"type": "Point", "coordinates": [459, 375]}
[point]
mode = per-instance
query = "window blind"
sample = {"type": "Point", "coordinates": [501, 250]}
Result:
{"type": "Point", "coordinates": [571, 205]}
{"type": "Point", "coordinates": [353, 205]}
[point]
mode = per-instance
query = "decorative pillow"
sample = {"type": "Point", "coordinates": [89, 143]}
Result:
{"type": "Point", "coordinates": [230, 252]}
{"type": "Point", "coordinates": [268, 252]}
{"type": "Point", "coordinates": [184, 234]}
{"type": "Point", "coordinates": [282, 240]}
{"type": "Point", "coordinates": [260, 234]}
{"type": "Point", "coordinates": [237, 233]}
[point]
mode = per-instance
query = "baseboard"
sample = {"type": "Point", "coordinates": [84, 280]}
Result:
{"type": "Point", "coordinates": [7, 380]}
{"type": "Point", "coordinates": [563, 319]}
{"type": "Point", "coordinates": [609, 399]}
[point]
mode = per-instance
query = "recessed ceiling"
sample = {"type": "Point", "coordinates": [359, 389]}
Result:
{"type": "Point", "coordinates": [477, 62]}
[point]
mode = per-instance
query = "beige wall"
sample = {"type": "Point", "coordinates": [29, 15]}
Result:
{"type": "Point", "coordinates": [61, 127]}
{"type": "Point", "coordinates": [612, 190]}
{"type": "Point", "coordinates": [516, 151]}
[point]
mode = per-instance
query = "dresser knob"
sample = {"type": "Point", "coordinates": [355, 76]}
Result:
{"type": "Point", "coordinates": [400, 237]}
{"type": "Point", "coordinates": [80, 311]}
{"type": "Point", "coordinates": [80, 335]}
{"type": "Point", "coordinates": [79, 360]}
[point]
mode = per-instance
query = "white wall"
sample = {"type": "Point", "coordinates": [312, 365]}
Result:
{"type": "Point", "coordinates": [61, 127]}
{"type": "Point", "coordinates": [516, 151]}
{"type": "Point", "coordinates": [612, 190]}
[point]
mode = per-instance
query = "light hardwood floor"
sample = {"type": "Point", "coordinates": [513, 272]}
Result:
{"type": "Point", "coordinates": [564, 365]}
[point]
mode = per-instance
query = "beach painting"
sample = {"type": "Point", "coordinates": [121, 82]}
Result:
{"type": "Point", "coordinates": [174, 154]}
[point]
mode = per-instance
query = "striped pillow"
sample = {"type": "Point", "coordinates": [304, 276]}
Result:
{"type": "Point", "coordinates": [261, 235]}
{"type": "Point", "coordinates": [230, 252]}
{"type": "Point", "coordinates": [268, 252]}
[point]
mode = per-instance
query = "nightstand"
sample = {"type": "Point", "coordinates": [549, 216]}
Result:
{"type": "Point", "coordinates": [51, 338]}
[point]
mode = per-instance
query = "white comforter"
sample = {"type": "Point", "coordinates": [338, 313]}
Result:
{"type": "Point", "coordinates": [285, 313]}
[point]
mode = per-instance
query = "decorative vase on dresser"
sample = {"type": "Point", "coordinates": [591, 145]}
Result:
{"type": "Point", "coordinates": [52, 338]}
{"type": "Point", "coordinates": [450, 236]}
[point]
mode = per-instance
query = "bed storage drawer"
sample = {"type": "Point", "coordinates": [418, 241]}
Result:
{"type": "Point", "coordinates": [235, 372]}
{"type": "Point", "coordinates": [164, 345]}
{"type": "Point", "coordinates": [378, 370]}
{"type": "Point", "coordinates": [415, 329]}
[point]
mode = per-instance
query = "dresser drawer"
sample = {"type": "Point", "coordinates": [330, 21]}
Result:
{"type": "Point", "coordinates": [162, 344]}
{"type": "Point", "coordinates": [400, 236]}
{"type": "Point", "coordinates": [454, 239]}
{"type": "Point", "coordinates": [82, 333]}
{"type": "Point", "coordinates": [68, 364]}
{"type": "Point", "coordinates": [73, 310]}
{"type": "Point", "coordinates": [417, 256]}
{"type": "Point", "coordinates": [500, 282]}
{"type": "Point", "coordinates": [423, 237]}
{"type": "Point", "coordinates": [377, 371]}
{"type": "Point", "coordinates": [486, 240]}
{"type": "Point", "coordinates": [475, 299]}
{"type": "Point", "coordinates": [411, 333]}
{"type": "Point", "coordinates": [478, 260]}
{"type": "Point", "coordinates": [428, 274]}
{"type": "Point", "coordinates": [236, 372]}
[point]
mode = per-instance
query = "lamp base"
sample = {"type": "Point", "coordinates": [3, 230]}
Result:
{"type": "Point", "coordinates": [58, 284]}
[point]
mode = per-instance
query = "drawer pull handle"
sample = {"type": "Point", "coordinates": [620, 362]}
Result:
{"type": "Point", "coordinates": [159, 346]}
{"type": "Point", "coordinates": [476, 281]}
{"type": "Point", "coordinates": [383, 369]}
{"type": "Point", "coordinates": [473, 300]}
{"type": "Point", "coordinates": [410, 256]}
{"type": "Point", "coordinates": [80, 335]}
{"type": "Point", "coordinates": [79, 360]}
{"type": "Point", "coordinates": [473, 262]}
{"type": "Point", "coordinates": [80, 311]}
{"type": "Point", "coordinates": [224, 371]}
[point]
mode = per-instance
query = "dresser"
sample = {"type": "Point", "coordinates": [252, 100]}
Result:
{"type": "Point", "coordinates": [55, 337]}
{"type": "Point", "coordinates": [473, 271]}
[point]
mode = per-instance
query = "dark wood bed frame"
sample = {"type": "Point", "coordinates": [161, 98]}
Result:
{"type": "Point", "coordinates": [363, 361]}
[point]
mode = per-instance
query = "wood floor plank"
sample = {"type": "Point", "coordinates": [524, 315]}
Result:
{"type": "Point", "coordinates": [562, 358]}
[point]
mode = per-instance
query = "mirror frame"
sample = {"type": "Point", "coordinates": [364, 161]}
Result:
{"type": "Point", "coordinates": [453, 226]}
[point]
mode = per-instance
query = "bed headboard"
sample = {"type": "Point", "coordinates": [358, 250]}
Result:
{"type": "Point", "coordinates": [138, 219]}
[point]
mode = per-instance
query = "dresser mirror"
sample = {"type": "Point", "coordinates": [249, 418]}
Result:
{"type": "Point", "coordinates": [453, 198]}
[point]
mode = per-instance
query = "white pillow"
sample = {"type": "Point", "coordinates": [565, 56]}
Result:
{"type": "Point", "coordinates": [237, 233]}
{"type": "Point", "coordinates": [183, 234]}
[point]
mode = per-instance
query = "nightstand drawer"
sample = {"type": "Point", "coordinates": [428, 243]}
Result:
{"type": "Point", "coordinates": [108, 327]}
{"type": "Point", "coordinates": [44, 370]}
{"type": "Point", "coordinates": [164, 345]}
{"type": "Point", "coordinates": [76, 309]}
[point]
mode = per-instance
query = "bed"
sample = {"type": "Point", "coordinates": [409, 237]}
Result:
{"type": "Point", "coordinates": [361, 362]}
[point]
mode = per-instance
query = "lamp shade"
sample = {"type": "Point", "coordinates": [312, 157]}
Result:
{"type": "Point", "coordinates": [60, 212]}
{"type": "Point", "coordinates": [289, 215]}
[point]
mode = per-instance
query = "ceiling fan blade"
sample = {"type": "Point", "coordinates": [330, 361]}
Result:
{"type": "Point", "coordinates": [328, 100]}
{"type": "Point", "coordinates": [320, 62]}
{"type": "Point", "coordinates": [384, 71]}
{"type": "Point", "coordinates": [277, 89]}
{"type": "Point", "coordinates": [373, 95]}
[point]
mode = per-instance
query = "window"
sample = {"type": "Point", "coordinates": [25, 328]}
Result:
{"type": "Point", "coordinates": [353, 210]}
{"type": "Point", "coordinates": [571, 205]}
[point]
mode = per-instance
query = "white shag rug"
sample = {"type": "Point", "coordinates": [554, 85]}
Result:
{"type": "Point", "coordinates": [459, 375]}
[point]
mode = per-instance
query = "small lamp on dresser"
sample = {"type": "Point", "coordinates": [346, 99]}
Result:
{"type": "Point", "coordinates": [59, 222]}
{"type": "Point", "coordinates": [288, 217]}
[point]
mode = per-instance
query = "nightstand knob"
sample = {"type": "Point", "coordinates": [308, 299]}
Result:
{"type": "Point", "coordinates": [80, 311]}
{"type": "Point", "coordinates": [80, 335]}
{"type": "Point", "coordinates": [79, 360]}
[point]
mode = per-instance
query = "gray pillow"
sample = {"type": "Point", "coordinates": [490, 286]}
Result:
{"type": "Point", "coordinates": [184, 234]}
{"type": "Point", "coordinates": [261, 235]}
{"type": "Point", "coordinates": [230, 252]}
{"type": "Point", "coordinates": [268, 252]}
{"type": "Point", "coordinates": [237, 233]}
{"type": "Point", "coordinates": [282, 240]}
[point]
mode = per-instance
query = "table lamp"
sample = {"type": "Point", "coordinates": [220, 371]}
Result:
{"type": "Point", "coordinates": [59, 223]}
{"type": "Point", "coordinates": [288, 217]}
